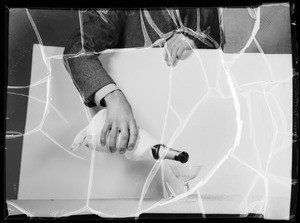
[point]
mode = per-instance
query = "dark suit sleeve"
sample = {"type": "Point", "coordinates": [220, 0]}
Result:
{"type": "Point", "coordinates": [81, 52]}
{"type": "Point", "coordinates": [210, 23]}
{"type": "Point", "coordinates": [203, 20]}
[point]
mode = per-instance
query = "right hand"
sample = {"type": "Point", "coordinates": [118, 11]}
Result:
{"type": "Point", "coordinates": [119, 120]}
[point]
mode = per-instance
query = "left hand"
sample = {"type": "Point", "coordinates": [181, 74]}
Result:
{"type": "Point", "coordinates": [178, 47]}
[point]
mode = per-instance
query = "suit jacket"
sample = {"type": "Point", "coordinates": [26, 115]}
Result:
{"type": "Point", "coordinates": [106, 29]}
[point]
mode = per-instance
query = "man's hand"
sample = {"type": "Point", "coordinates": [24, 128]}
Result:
{"type": "Point", "coordinates": [119, 120]}
{"type": "Point", "coordinates": [177, 47]}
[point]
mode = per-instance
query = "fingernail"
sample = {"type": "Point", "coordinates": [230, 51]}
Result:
{"type": "Point", "coordinates": [130, 148]}
{"type": "Point", "coordinates": [122, 151]}
{"type": "Point", "coordinates": [111, 150]}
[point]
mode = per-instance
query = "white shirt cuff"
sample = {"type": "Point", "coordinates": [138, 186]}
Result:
{"type": "Point", "coordinates": [100, 94]}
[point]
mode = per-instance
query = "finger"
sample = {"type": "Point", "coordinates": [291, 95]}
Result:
{"type": "Point", "coordinates": [173, 48]}
{"type": "Point", "coordinates": [168, 48]}
{"type": "Point", "coordinates": [186, 48]}
{"type": "Point", "coordinates": [180, 52]}
{"type": "Point", "coordinates": [174, 51]}
{"type": "Point", "coordinates": [113, 139]}
{"type": "Point", "coordinates": [173, 40]}
{"type": "Point", "coordinates": [133, 131]}
{"type": "Point", "coordinates": [182, 47]}
{"type": "Point", "coordinates": [186, 53]}
{"type": "Point", "coordinates": [191, 43]}
{"type": "Point", "coordinates": [124, 139]}
{"type": "Point", "coordinates": [105, 130]}
{"type": "Point", "coordinates": [167, 53]}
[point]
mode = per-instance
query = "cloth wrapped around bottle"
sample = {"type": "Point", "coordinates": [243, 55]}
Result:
{"type": "Point", "coordinates": [89, 138]}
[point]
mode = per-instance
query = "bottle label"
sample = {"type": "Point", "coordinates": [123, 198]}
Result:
{"type": "Point", "coordinates": [168, 153]}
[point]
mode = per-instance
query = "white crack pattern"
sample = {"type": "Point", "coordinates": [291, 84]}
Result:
{"type": "Point", "coordinates": [236, 94]}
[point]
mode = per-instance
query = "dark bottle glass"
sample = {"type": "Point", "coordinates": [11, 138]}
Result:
{"type": "Point", "coordinates": [172, 154]}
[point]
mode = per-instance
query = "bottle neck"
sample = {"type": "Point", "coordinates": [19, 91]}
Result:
{"type": "Point", "coordinates": [161, 151]}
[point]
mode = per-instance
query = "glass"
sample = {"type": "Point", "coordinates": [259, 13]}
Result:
{"type": "Point", "coordinates": [186, 173]}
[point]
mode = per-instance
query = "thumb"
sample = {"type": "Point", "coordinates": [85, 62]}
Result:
{"type": "Point", "coordinates": [185, 54]}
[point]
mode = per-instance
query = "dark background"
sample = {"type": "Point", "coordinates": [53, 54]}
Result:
{"type": "Point", "coordinates": [54, 27]}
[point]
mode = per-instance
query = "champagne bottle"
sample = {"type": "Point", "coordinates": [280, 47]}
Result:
{"type": "Point", "coordinates": [160, 150]}
{"type": "Point", "coordinates": [146, 147]}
